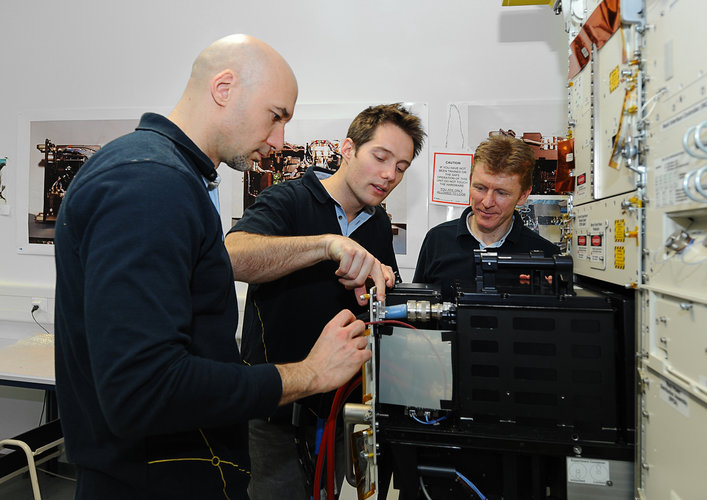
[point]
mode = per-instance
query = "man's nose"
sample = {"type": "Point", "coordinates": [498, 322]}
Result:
{"type": "Point", "coordinates": [388, 171]}
{"type": "Point", "coordinates": [276, 139]}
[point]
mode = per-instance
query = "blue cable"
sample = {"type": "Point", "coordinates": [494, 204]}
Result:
{"type": "Point", "coordinates": [396, 312]}
{"type": "Point", "coordinates": [471, 485]}
{"type": "Point", "coordinates": [318, 435]}
{"type": "Point", "coordinates": [427, 421]}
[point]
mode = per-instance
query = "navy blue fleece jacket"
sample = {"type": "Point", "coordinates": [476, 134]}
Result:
{"type": "Point", "coordinates": [152, 392]}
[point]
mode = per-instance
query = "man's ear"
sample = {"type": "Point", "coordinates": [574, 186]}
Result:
{"type": "Point", "coordinates": [524, 196]}
{"type": "Point", "coordinates": [347, 149]}
{"type": "Point", "coordinates": [222, 87]}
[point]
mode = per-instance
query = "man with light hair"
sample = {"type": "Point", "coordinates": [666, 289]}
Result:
{"type": "Point", "coordinates": [501, 180]}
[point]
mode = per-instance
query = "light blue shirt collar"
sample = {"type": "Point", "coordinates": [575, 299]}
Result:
{"type": "Point", "coordinates": [212, 189]}
{"type": "Point", "coordinates": [347, 228]}
{"type": "Point", "coordinates": [496, 244]}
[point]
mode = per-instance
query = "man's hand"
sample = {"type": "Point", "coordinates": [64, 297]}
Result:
{"type": "Point", "coordinates": [336, 357]}
{"type": "Point", "coordinates": [356, 264]}
{"type": "Point", "coordinates": [258, 258]}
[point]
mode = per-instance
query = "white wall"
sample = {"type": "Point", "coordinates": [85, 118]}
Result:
{"type": "Point", "coordinates": [137, 54]}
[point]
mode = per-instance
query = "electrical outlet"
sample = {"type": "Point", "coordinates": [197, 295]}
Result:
{"type": "Point", "coordinates": [41, 303]}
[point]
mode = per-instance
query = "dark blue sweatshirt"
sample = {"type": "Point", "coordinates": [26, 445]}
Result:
{"type": "Point", "coordinates": [152, 392]}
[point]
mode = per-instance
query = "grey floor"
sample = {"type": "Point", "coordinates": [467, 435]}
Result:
{"type": "Point", "coordinates": [50, 487]}
{"type": "Point", "coordinates": [54, 488]}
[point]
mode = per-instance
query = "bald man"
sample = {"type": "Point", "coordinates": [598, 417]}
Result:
{"type": "Point", "coordinates": [153, 395]}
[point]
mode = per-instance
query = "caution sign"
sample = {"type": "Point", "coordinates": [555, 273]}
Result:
{"type": "Point", "coordinates": [619, 230]}
{"type": "Point", "coordinates": [619, 257]}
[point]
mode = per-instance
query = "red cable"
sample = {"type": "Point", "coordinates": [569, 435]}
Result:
{"type": "Point", "coordinates": [327, 444]}
{"type": "Point", "coordinates": [331, 472]}
{"type": "Point", "coordinates": [390, 322]}
{"type": "Point", "coordinates": [330, 466]}
{"type": "Point", "coordinates": [330, 429]}
{"type": "Point", "coordinates": [318, 467]}
{"type": "Point", "coordinates": [323, 446]}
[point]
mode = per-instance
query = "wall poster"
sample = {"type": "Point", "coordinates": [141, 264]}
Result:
{"type": "Point", "coordinates": [52, 147]}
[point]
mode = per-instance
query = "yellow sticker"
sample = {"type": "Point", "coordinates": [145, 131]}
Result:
{"type": "Point", "coordinates": [619, 258]}
{"type": "Point", "coordinates": [619, 230]}
{"type": "Point", "coordinates": [614, 79]}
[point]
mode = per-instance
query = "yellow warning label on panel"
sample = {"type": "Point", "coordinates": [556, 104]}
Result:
{"type": "Point", "coordinates": [619, 230]}
{"type": "Point", "coordinates": [619, 258]}
{"type": "Point", "coordinates": [614, 79]}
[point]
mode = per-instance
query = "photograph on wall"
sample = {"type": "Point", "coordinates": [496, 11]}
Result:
{"type": "Point", "coordinates": [57, 150]}
{"type": "Point", "coordinates": [3, 199]}
{"type": "Point", "coordinates": [313, 138]}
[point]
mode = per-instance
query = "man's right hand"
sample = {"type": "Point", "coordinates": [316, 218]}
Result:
{"type": "Point", "coordinates": [259, 258]}
{"type": "Point", "coordinates": [356, 264]}
{"type": "Point", "coordinates": [337, 356]}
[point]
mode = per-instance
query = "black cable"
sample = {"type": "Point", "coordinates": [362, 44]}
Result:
{"type": "Point", "coordinates": [56, 475]}
{"type": "Point", "coordinates": [364, 316]}
{"type": "Point", "coordinates": [34, 308]}
{"type": "Point", "coordinates": [44, 406]}
{"type": "Point", "coordinates": [44, 402]}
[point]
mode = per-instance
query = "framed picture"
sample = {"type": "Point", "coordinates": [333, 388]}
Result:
{"type": "Point", "coordinates": [52, 147]}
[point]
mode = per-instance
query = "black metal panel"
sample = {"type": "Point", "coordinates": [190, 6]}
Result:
{"type": "Point", "coordinates": [547, 372]}
{"type": "Point", "coordinates": [537, 378]}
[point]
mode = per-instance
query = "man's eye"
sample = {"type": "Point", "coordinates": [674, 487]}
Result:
{"type": "Point", "coordinates": [276, 117]}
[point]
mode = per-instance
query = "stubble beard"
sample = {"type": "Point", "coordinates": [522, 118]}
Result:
{"type": "Point", "coordinates": [242, 163]}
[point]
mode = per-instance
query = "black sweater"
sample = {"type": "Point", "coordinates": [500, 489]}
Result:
{"type": "Point", "coordinates": [152, 392]}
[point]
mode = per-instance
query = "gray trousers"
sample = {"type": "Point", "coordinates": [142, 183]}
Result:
{"type": "Point", "coordinates": [276, 471]}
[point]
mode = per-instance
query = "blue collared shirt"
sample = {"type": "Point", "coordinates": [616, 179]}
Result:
{"type": "Point", "coordinates": [212, 188]}
{"type": "Point", "coordinates": [347, 227]}
{"type": "Point", "coordinates": [495, 244]}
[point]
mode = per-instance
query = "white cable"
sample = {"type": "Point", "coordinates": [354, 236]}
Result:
{"type": "Point", "coordinates": [698, 181]}
{"type": "Point", "coordinates": [698, 136]}
{"type": "Point", "coordinates": [424, 490]}
{"type": "Point", "coordinates": [449, 119]}
{"type": "Point", "coordinates": [686, 184]}
{"type": "Point", "coordinates": [697, 153]}
{"type": "Point", "coordinates": [653, 100]}
{"type": "Point", "coordinates": [693, 248]}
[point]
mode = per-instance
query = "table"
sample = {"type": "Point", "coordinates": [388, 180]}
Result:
{"type": "Point", "coordinates": [26, 356]}
{"type": "Point", "coordinates": [27, 359]}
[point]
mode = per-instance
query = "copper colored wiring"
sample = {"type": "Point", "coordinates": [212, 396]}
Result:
{"type": "Point", "coordinates": [601, 25]}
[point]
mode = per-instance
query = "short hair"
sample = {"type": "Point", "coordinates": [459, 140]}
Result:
{"type": "Point", "coordinates": [364, 126]}
{"type": "Point", "coordinates": [507, 155]}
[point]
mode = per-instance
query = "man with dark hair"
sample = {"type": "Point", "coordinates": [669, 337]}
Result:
{"type": "Point", "coordinates": [152, 392]}
{"type": "Point", "coordinates": [303, 246]}
{"type": "Point", "coordinates": [501, 179]}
